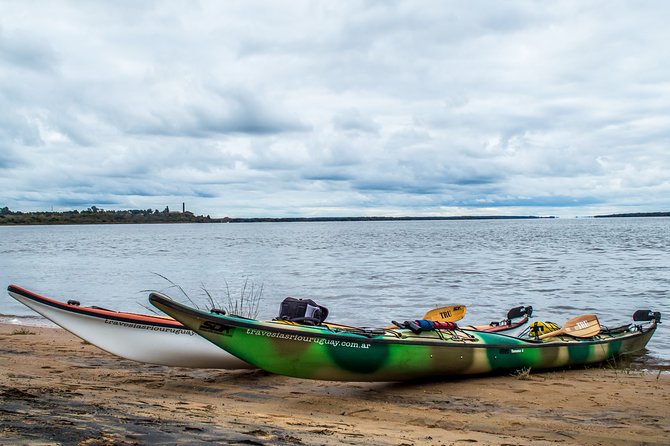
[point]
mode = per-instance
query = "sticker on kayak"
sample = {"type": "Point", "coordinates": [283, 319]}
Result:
{"type": "Point", "coordinates": [507, 351]}
{"type": "Point", "coordinates": [310, 339]}
{"type": "Point", "coordinates": [214, 327]}
{"type": "Point", "coordinates": [178, 331]}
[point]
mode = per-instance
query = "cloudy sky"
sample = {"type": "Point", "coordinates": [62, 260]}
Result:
{"type": "Point", "coordinates": [336, 108]}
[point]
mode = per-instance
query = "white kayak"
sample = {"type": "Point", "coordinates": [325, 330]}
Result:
{"type": "Point", "coordinates": [139, 337]}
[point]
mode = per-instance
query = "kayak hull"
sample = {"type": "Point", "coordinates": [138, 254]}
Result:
{"type": "Point", "coordinates": [397, 355]}
{"type": "Point", "coordinates": [143, 338]}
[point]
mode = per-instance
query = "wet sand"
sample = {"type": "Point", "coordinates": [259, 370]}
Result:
{"type": "Point", "coordinates": [57, 389]}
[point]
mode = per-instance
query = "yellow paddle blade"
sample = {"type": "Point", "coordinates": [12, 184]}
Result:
{"type": "Point", "coordinates": [584, 326]}
{"type": "Point", "coordinates": [452, 313]}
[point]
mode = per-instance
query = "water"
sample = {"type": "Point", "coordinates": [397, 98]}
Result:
{"type": "Point", "coordinates": [366, 273]}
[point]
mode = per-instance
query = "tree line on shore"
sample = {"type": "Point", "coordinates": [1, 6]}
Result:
{"type": "Point", "coordinates": [637, 214]}
{"type": "Point", "coordinates": [95, 215]}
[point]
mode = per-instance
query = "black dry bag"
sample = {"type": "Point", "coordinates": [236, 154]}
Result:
{"type": "Point", "coordinates": [302, 310]}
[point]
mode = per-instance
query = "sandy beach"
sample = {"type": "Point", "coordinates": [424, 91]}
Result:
{"type": "Point", "coordinates": [57, 389]}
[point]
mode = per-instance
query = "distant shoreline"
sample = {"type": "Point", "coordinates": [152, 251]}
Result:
{"type": "Point", "coordinates": [99, 216]}
{"type": "Point", "coordinates": [636, 214]}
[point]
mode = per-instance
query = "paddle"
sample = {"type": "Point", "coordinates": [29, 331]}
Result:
{"type": "Point", "coordinates": [584, 326]}
{"type": "Point", "coordinates": [452, 313]}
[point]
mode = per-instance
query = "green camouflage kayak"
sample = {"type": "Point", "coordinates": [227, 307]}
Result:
{"type": "Point", "coordinates": [318, 352]}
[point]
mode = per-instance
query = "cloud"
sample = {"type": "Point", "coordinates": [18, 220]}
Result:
{"type": "Point", "coordinates": [27, 52]}
{"type": "Point", "coordinates": [201, 113]}
{"type": "Point", "coordinates": [312, 108]}
{"type": "Point", "coordinates": [354, 121]}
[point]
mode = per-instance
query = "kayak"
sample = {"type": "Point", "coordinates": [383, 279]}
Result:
{"type": "Point", "coordinates": [318, 352]}
{"type": "Point", "coordinates": [151, 339]}
{"type": "Point", "coordinates": [162, 340]}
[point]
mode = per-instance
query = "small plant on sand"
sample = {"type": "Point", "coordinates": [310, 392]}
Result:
{"type": "Point", "coordinates": [612, 364]}
{"type": "Point", "coordinates": [522, 374]}
{"type": "Point", "coordinates": [618, 366]}
{"type": "Point", "coordinates": [246, 304]}
{"type": "Point", "coordinates": [23, 331]}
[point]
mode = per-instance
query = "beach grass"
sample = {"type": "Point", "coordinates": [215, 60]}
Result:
{"type": "Point", "coordinates": [522, 374]}
{"type": "Point", "coordinates": [245, 303]}
{"type": "Point", "coordinates": [22, 331]}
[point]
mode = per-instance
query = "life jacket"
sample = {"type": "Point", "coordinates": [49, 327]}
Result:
{"type": "Point", "coordinates": [302, 310]}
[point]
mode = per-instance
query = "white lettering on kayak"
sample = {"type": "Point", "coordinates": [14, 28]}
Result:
{"type": "Point", "coordinates": [150, 327]}
{"type": "Point", "coordinates": [302, 338]}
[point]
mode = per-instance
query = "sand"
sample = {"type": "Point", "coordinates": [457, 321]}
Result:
{"type": "Point", "coordinates": [57, 389]}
